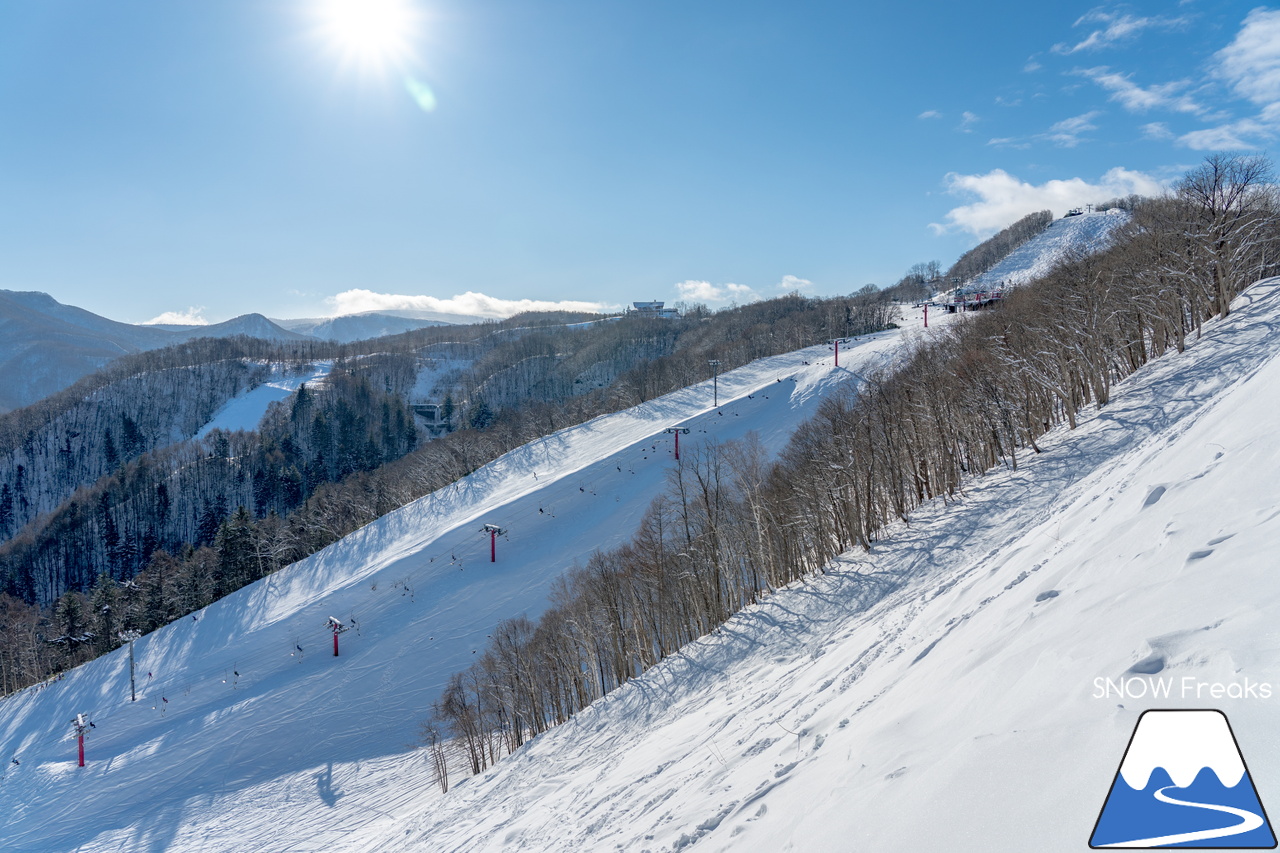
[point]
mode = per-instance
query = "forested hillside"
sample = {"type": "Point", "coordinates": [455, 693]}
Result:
{"type": "Point", "coordinates": [137, 528]}
{"type": "Point", "coordinates": [991, 251]}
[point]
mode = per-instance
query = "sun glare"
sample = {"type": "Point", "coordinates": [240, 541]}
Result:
{"type": "Point", "coordinates": [371, 34]}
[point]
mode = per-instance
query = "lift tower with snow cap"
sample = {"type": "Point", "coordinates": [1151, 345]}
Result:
{"type": "Point", "coordinates": [81, 724]}
{"type": "Point", "coordinates": [336, 626]}
{"type": "Point", "coordinates": [494, 532]}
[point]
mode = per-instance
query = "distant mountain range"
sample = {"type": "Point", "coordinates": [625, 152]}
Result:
{"type": "Point", "coordinates": [46, 346]}
{"type": "Point", "coordinates": [373, 324]}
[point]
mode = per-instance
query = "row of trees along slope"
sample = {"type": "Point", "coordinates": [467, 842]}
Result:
{"type": "Point", "coordinates": [731, 527]}
{"type": "Point", "coordinates": [167, 531]}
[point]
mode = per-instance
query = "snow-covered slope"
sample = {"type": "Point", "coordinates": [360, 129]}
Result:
{"type": "Point", "coordinates": [1085, 232]}
{"type": "Point", "coordinates": [948, 691]}
{"type": "Point", "coordinates": [245, 411]}
{"type": "Point", "coordinates": [247, 724]}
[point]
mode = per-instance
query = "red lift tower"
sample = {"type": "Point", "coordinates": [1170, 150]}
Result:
{"type": "Point", "coordinates": [494, 531]}
{"type": "Point", "coordinates": [82, 725]}
{"type": "Point", "coordinates": [336, 626]}
{"type": "Point", "coordinates": [677, 432]}
{"type": "Point", "coordinates": [837, 342]}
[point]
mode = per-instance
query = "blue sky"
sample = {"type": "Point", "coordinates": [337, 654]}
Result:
{"type": "Point", "coordinates": [211, 159]}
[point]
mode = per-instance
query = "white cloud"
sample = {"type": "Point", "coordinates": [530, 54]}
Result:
{"type": "Point", "coordinates": [712, 294]}
{"type": "Point", "coordinates": [791, 283]}
{"type": "Point", "coordinates": [1251, 63]}
{"type": "Point", "coordinates": [1157, 130]}
{"type": "Point", "coordinates": [968, 120]}
{"type": "Point", "coordinates": [1250, 66]}
{"type": "Point", "coordinates": [1115, 28]}
{"type": "Point", "coordinates": [1067, 133]}
{"type": "Point", "coordinates": [930, 114]}
{"type": "Point", "coordinates": [1234, 136]}
{"type": "Point", "coordinates": [1137, 99]}
{"type": "Point", "coordinates": [470, 303]}
{"type": "Point", "coordinates": [190, 317]}
{"type": "Point", "coordinates": [1003, 198]}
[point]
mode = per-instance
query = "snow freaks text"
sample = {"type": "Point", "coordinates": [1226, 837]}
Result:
{"type": "Point", "coordinates": [1186, 687]}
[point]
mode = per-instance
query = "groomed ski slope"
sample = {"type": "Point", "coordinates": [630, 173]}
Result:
{"type": "Point", "coordinates": [246, 410]}
{"type": "Point", "coordinates": [248, 734]}
{"type": "Point", "coordinates": [1085, 232]}
{"type": "Point", "coordinates": [939, 693]}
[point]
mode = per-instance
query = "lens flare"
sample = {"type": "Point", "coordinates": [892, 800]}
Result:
{"type": "Point", "coordinates": [421, 94]}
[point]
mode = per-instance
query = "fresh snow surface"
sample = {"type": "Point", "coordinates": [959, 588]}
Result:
{"type": "Point", "coordinates": [1086, 232]}
{"type": "Point", "coordinates": [245, 410]}
{"type": "Point", "coordinates": [248, 734]}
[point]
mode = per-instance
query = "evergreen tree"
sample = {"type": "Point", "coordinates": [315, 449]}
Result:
{"type": "Point", "coordinates": [70, 624]}
{"type": "Point", "coordinates": [131, 439]}
{"type": "Point", "coordinates": [236, 564]}
{"type": "Point", "coordinates": [482, 417]}
{"type": "Point", "coordinates": [104, 606]}
{"type": "Point", "coordinates": [162, 503]}
{"type": "Point", "coordinates": [6, 510]}
{"type": "Point", "coordinates": [109, 453]}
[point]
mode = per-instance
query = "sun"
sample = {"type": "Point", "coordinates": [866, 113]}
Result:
{"type": "Point", "coordinates": [372, 35]}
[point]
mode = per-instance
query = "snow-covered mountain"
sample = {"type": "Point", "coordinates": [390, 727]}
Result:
{"type": "Point", "coordinates": [46, 346]}
{"type": "Point", "coordinates": [373, 324]}
{"type": "Point", "coordinates": [250, 325]}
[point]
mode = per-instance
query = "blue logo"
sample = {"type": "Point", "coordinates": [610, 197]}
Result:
{"type": "Point", "coordinates": [1183, 783]}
